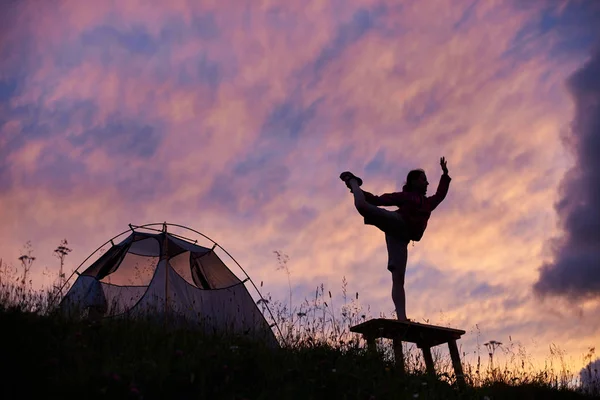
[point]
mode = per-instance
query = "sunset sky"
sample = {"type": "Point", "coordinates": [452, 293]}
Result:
{"type": "Point", "coordinates": [235, 118]}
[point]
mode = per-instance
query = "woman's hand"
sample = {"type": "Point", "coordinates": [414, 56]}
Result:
{"type": "Point", "coordinates": [443, 165]}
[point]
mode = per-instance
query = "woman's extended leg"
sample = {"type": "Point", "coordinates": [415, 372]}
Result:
{"type": "Point", "coordinates": [389, 222]}
{"type": "Point", "coordinates": [359, 197]}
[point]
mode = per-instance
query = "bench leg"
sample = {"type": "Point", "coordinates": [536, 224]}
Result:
{"type": "Point", "coordinates": [399, 356]}
{"type": "Point", "coordinates": [428, 360]}
{"type": "Point", "coordinates": [371, 345]}
{"type": "Point", "coordinates": [458, 371]}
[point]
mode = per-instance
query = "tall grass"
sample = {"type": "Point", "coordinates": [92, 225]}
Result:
{"type": "Point", "coordinates": [319, 358]}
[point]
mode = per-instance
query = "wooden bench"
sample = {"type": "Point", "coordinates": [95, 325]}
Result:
{"type": "Point", "coordinates": [424, 336]}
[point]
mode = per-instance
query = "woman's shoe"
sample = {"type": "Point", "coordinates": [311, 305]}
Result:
{"type": "Point", "coordinates": [347, 175]}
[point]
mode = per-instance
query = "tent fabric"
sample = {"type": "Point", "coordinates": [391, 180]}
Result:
{"type": "Point", "coordinates": [158, 276]}
{"type": "Point", "coordinates": [86, 292]}
{"type": "Point", "coordinates": [209, 266]}
{"type": "Point", "coordinates": [107, 262]}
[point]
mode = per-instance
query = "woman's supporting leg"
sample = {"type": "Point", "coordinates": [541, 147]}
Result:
{"type": "Point", "coordinates": [397, 259]}
{"type": "Point", "coordinates": [398, 294]}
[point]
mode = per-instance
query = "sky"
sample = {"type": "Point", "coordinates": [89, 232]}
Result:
{"type": "Point", "coordinates": [235, 118]}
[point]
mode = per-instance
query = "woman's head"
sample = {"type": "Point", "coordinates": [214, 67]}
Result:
{"type": "Point", "coordinates": [416, 181]}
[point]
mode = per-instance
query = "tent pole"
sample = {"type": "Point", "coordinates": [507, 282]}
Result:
{"type": "Point", "coordinates": [166, 258]}
{"type": "Point", "coordinates": [173, 234]}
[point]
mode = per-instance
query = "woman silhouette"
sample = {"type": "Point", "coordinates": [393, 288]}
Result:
{"type": "Point", "coordinates": [401, 226]}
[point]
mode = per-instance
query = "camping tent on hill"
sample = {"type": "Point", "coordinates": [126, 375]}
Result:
{"type": "Point", "coordinates": [162, 275]}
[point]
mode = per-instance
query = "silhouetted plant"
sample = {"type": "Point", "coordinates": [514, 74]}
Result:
{"type": "Point", "coordinates": [61, 252]}
{"type": "Point", "coordinates": [27, 260]}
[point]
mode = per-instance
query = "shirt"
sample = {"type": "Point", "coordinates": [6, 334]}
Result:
{"type": "Point", "coordinates": [414, 208]}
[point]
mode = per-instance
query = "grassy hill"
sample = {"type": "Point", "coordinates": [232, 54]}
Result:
{"type": "Point", "coordinates": [45, 355]}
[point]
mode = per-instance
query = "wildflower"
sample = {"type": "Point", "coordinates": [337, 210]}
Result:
{"type": "Point", "coordinates": [333, 370]}
{"type": "Point", "coordinates": [178, 353]}
{"type": "Point", "coordinates": [416, 395]}
{"type": "Point", "coordinates": [115, 377]}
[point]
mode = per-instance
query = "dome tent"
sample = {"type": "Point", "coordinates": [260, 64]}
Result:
{"type": "Point", "coordinates": [154, 274]}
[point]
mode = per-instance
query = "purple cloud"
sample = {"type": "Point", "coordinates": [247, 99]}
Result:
{"type": "Point", "coordinates": [575, 270]}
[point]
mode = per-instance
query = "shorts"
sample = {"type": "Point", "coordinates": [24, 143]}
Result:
{"type": "Point", "coordinates": [390, 222]}
{"type": "Point", "coordinates": [396, 234]}
{"type": "Point", "coordinates": [397, 249]}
